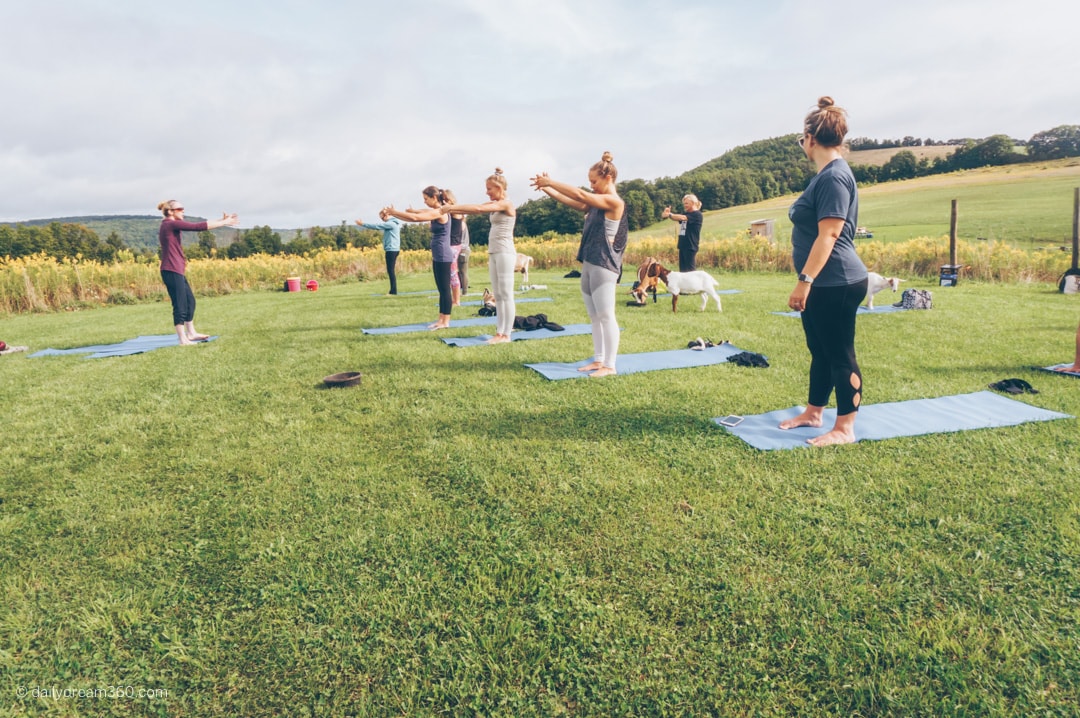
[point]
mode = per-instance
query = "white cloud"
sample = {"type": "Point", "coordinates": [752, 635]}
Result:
{"type": "Point", "coordinates": [296, 112]}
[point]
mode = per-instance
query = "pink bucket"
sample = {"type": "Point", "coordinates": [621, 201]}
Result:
{"type": "Point", "coordinates": [292, 284]}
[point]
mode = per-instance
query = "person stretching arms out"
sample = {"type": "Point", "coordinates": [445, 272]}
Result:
{"type": "Point", "coordinates": [603, 241]}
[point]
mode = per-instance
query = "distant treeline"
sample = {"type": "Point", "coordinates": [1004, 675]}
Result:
{"type": "Point", "coordinates": [60, 240]}
{"type": "Point", "coordinates": [751, 173]}
{"type": "Point", "coordinates": [1058, 143]}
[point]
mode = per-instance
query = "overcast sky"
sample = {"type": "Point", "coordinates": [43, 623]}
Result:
{"type": "Point", "coordinates": [302, 112]}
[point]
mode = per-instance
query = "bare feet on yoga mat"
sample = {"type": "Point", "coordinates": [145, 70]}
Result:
{"type": "Point", "coordinates": [199, 337]}
{"type": "Point", "coordinates": [591, 366]}
{"type": "Point", "coordinates": [807, 418]}
{"type": "Point", "coordinates": [437, 326]}
{"type": "Point", "coordinates": [832, 438]}
{"type": "Point", "coordinates": [602, 371]}
{"type": "Point", "coordinates": [498, 339]}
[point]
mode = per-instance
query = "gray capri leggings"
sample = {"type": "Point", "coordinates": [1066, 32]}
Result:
{"type": "Point", "coordinates": [598, 287]}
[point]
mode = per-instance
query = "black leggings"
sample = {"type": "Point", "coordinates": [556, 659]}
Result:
{"type": "Point", "coordinates": [687, 258]}
{"type": "Point", "coordinates": [442, 281]}
{"type": "Point", "coordinates": [181, 296]}
{"type": "Point", "coordinates": [829, 323]}
{"type": "Point", "coordinates": [391, 265]}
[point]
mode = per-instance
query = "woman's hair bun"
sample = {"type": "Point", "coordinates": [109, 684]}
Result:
{"type": "Point", "coordinates": [825, 101]}
{"type": "Point", "coordinates": [498, 170]}
{"type": "Point", "coordinates": [606, 157]}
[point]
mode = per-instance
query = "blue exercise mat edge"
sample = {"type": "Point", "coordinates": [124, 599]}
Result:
{"type": "Point", "coordinates": [939, 415]}
{"type": "Point", "coordinates": [570, 330]}
{"type": "Point", "coordinates": [642, 362]}
{"type": "Point", "coordinates": [138, 345]}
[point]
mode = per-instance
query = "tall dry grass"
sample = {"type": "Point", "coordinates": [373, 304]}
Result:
{"type": "Point", "coordinates": [40, 283]}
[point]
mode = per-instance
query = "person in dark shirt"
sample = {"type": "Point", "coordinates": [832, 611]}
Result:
{"type": "Point", "coordinates": [174, 265]}
{"type": "Point", "coordinates": [832, 279]}
{"type": "Point", "coordinates": [441, 254]}
{"type": "Point", "coordinates": [689, 231]}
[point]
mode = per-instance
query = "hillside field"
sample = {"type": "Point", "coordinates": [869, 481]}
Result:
{"type": "Point", "coordinates": [881, 156]}
{"type": "Point", "coordinates": [457, 536]}
{"type": "Point", "coordinates": [1028, 206]}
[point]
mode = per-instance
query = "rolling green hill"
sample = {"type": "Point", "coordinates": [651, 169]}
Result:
{"type": "Point", "coordinates": [1028, 205]}
{"type": "Point", "coordinates": [137, 231]}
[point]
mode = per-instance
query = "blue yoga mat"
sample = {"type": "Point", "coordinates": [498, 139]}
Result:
{"type": "Point", "coordinates": [138, 345]}
{"type": "Point", "coordinates": [648, 361]}
{"type": "Point", "coordinates": [480, 302]}
{"type": "Point", "coordinates": [407, 294]}
{"type": "Point", "coordinates": [1053, 369]}
{"type": "Point", "coordinates": [980, 410]}
{"type": "Point", "coordinates": [454, 324]}
{"type": "Point", "coordinates": [887, 309]}
{"type": "Point", "coordinates": [569, 330]}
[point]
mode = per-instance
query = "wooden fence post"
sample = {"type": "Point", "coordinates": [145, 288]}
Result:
{"type": "Point", "coordinates": [1076, 227]}
{"type": "Point", "coordinates": [952, 234]}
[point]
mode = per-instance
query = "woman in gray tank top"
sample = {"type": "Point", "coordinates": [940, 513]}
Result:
{"type": "Point", "coordinates": [603, 242]}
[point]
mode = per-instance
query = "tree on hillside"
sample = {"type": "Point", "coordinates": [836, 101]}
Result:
{"type": "Point", "coordinates": [538, 216]}
{"type": "Point", "coordinates": [903, 165]}
{"type": "Point", "coordinates": [994, 150]}
{"type": "Point", "coordinates": [639, 208]}
{"type": "Point", "coordinates": [1062, 141]}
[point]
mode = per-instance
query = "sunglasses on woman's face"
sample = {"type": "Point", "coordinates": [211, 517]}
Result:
{"type": "Point", "coordinates": [801, 140]}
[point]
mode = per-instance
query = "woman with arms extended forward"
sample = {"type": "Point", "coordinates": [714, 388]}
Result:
{"type": "Point", "coordinates": [441, 255]}
{"type": "Point", "coordinates": [832, 278]}
{"type": "Point", "coordinates": [174, 265]}
{"type": "Point", "coordinates": [391, 239]}
{"type": "Point", "coordinates": [501, 252]}
{"type": "Point", "coordinates": [603, 241]}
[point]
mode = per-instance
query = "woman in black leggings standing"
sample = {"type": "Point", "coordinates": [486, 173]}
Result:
{"type": "Point", "coordinates": [441, 254]}
{"type": "Point", "coordinates": [174, 265]}
{"type": "Point", "coordinates": [832, 278]}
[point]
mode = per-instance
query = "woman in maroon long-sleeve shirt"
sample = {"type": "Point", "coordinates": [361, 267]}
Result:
{"type": "Point", "coordinates": [174, 263]}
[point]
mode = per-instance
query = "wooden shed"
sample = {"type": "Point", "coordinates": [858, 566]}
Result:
{"type": "Point", "coordinates": [762, 228]}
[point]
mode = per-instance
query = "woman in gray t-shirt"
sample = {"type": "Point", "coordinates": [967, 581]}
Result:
{"type": "Point", "coordinates": [832, 278]}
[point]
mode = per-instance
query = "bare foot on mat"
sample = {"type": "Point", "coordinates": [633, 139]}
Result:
{"type": "Point", "coordinates": [806, 418]}
{"type": "Point", "coordinates": [832, 438]}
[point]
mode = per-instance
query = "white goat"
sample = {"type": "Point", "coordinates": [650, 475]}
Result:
{"type": "Point", "coordinates": [521, 264]}
{"type": "Point", "coordinates": [697, 282]}
{"type": "Point", "coordinates": [875, 283]}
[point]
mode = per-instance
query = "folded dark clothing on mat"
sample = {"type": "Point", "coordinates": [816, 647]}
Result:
{"type": "Point", "coordinates": [536, 321]}
{"type": "Point", "coordinates": [749, 359]}
{"type": "Point", "coordinates": [1013, 386]}
{"type": "Point", "coordinates": [572, 274]}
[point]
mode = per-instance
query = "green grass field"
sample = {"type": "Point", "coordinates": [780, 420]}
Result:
{"type": "Point", "coordinates": [1029, 206]}
{"type": "Point", "coordinates": [458, 536]}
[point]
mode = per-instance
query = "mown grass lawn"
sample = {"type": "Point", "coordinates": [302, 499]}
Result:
{"type": "Point", "coordinates": [459, 536]}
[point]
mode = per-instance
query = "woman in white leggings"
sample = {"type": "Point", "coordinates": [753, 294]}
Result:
{"type": "Point", "coordinates": [603, 242]}
{"type": "Point", "coordinates": [501, 251]}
